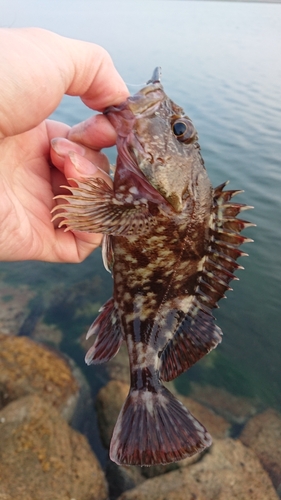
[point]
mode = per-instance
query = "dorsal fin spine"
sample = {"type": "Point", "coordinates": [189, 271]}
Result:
{"type": "Point", "coordinates": [225, 238]}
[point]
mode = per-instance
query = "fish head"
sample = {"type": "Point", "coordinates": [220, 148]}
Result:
{"type": "Point", "coordinates": [158, 141]}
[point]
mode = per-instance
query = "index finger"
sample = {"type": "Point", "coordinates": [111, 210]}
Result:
{"type": "Point", "coordinates": [95, 132]}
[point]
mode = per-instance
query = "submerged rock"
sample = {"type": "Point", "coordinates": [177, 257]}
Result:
{"type": "Point", "coordinates": [42, 457]}
{"type": "Point", "coordinates": [118, 368]}
{"type": "Point", "coordinates": [228, 471]}
{"type": "Point", "coordinates": [49, 334]}
{"type": "Point", "coordinates": [108, 404]}
{"type": "Point", "coordinates": [217, 426]}
{"type": "Point", "coordinates": [14, 307]}
{"type": "Point", "coordinates": [121, 478]}
{"type": "Point", "coordinates": [263, 435]}
{"type": "Point", "coordinates": [235, 409]}
{"type": "Point", "coordinates": [176, 485]}
{"type": "Point", "coordinates": [29, 368]}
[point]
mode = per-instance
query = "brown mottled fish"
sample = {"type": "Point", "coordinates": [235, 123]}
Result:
{"type": "Point", "coordinates": [171, 242]}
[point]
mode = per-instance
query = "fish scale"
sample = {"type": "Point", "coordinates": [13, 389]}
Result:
{"type": "Point", "coordinates": [171, 242]}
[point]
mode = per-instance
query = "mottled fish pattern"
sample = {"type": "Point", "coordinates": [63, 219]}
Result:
{"type": "Point", "coordinates": [171, 242]}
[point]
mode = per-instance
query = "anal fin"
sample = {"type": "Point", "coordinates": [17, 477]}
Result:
{"type": "Point", "coordinates": [109, 337]}
{"type": "Point", "coordinates": [196, 336]}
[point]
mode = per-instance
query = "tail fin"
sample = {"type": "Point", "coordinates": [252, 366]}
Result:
{"type": "Point", "coordinates": [155, 428]}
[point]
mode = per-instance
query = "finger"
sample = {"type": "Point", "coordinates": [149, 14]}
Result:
{"type": "Point", "coordinates": [96, 132]}
{"type": "Point", "coordinates": [61, 147]}
{"type": "Point", "coordinates": [77, 167]}
{"type": "Point", "coordinates": [43, 66]}
{"type": "Point", "coordinates": [79, 245]}
{"type": "Point", "coordinates": [57, 181]}
{"type": "Point", "coordinates": [56, 129]}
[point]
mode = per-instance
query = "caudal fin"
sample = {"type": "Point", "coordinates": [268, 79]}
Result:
{"type": "Point", "coordinates": [155, 428]}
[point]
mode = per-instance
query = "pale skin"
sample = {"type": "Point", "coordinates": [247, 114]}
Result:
{"type": "Point", "coordinates": [38, 155]}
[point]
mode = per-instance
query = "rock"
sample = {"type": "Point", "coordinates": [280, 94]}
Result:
{"type": "Point", "coordinates": [108, 404]}
{"type": "Point", "coordinates": [236, 409]}
{"type": "Point", "coordinates": [47, 334]}
{"type": "Point", "coordinates": [118, 368]}
{"type": "Point", "coordinates": [263, 435]}
{"type": "Point", "coordinates": [228, 471]}
{"type": "Point", "coordinates": [42, 457]}
{"type": "Point", "coordinates": [216, 425]}
{"type": "Point", "coordinates": [29, 368]}
{"type": "Point", "coordinates": [13, 310]}
{"type": "Point", "coordinates": [232, 471]}
{"type": "Point", "coordinates": [175, 485]}
{"type": "Point", "coordinates": [121, 478]}
{"type": "Point", "coordinates": [84, 409]}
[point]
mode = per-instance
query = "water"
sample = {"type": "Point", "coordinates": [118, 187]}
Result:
{"type": "Point", "coordinates": [221, 62]}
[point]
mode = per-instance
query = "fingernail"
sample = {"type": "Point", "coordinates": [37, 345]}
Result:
{"type": "Point", "coordinates": [82, 165]}
{"type": "Point", "coordinates": [62, 146]}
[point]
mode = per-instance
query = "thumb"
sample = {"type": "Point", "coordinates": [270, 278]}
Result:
{"type": "Point", "coordinates": [41, 66]}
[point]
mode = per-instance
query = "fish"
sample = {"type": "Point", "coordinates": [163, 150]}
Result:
{"type": "Point", "coordinates": [171, 242]}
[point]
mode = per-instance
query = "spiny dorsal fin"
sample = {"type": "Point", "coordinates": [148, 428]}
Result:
{"type": "Point", "coordinates": [225, 238]}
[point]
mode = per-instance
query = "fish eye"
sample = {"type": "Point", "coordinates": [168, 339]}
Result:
{"type": "Point", "coordinates": [184, 130]}
{"type": "Point", "coordinates": [179, 128]}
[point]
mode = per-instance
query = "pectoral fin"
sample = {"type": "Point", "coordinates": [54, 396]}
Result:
{"type": "Point", "coordinates": [92, 207]}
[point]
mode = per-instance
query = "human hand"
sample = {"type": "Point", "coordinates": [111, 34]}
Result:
{"type": "Point", "coordinates": [37, 68]}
